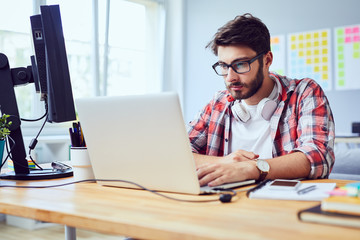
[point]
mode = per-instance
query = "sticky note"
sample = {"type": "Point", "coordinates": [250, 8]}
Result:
{"type": "Point", "coordinates": [324, 42]}
{"type": "Point", "coordinates": [324, 34]}
{"type": "Point", "coordinates": [348, 39]}
{"type": "Point", "coordinates": [325, 68]}
{"type": "Point", "coordinates": [293, 38]}
{"type": "Point", "coordinates": [341, 65]}
{"type": "Point", "coordinates": [341, 57]}
{"type": "Point", "coordinates": [340, 40]}
{"type": "Point", "coordinates": [341, 83]}
{"type": "Point", "coordinates": [340, 32]}
{"type": "Point", "coordinates": [325, 51]}
{"type": "Point", "coordinates": [308, 44]}
{"type": "Point", "coordinates": [316, 69]}
{"type": "Point", "coordinates": [293, 46]}
{"type": "Point", "coordinates": [308, 61]}
{"type": "Point", "coordinates": [356, 46]}
{"type": "Point", "coordinates": [301, 37]}
{"type": "Point", "coordinates": [356, 29]}
{"type": "Point", "coordinates": [316, 35]}
{"type": "Point", "coordinates": [341, 74]}
{"type": "Point", "coordinates": [316, 60]}
{"type": "Point", "coordinates": [356, 38]}
{"type": "Point", "coordinates": [348, 30]}
{"type": "Point", "coordinates": [316, 43]}
{"type": "Point", "coordinates": [324, 59]}
{"type": "Point", "coordinates": [340, 48]}
{"type": "Point", "coordinates": [301, 53]}
{"type": "Point", "coordinates": [316, 52]}
{"type": "Point", "coordinates": [356, 55]}
{"type": "Point", "coordinates": [275, 40]}
{"type": "Point", "coordinates": [301, 45]}
{"type": "Point", "coordinates": [325, 76]}
{"type": "Point", "coordinates": [308, 52]}
{"type": "Point", "coordinates": [308, 36]}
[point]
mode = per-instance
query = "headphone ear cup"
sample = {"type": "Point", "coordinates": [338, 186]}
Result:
{"type": "Point", "coordinates": [240, 112]}
{"type": "Point", "coordinates": [266, 108]}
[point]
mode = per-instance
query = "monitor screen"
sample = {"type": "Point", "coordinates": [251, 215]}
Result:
{"type": "Point", "coordinates": [51, 72]}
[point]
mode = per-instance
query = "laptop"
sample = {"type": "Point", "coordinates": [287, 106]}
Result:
{"type": "Point", "coordinates": [141, 139]}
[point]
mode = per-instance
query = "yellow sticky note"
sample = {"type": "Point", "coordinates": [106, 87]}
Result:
{"type": "Point", "coordinates": [301, 45]}
{"type": "Point", "coordinates": [308, 53]}
{"type": "Point", "coordinates": [324, 34]}
{"type": "Point", "coordinates": [316, 52]}
{"type": "Point", "coordinates": [301, 53]}
{"type": "Point", "coordinates": [293, 46]}
{"type": "Point", "coordinates": [324, 59]}
{"type": "Point", "coordinates": [308, 36]}
{"type": "Point", "coordinates": [308, 61]}
{"type": "Point", "coordinates": [325, 77]}
{"type": "Point", "coordinates": [324, 43]}
{"type": "Point", "coordinates": [293, 38]}
{"type": "Point", "coordinates": [316, 60]}
{"type": "Point", "coordinates": [316, 35]}
{"type": "Point", "coordinates": [316, 44]}
{"type": "Point", "coordinates": [325, 68]}
{"type": "Point", "coordinates": [316, 69]}
{"type": "Point", "coordinates": [325, 51]}
{"type": "Point", "coordinates": [308, 44]}
{"type": "Point", "coordinates": [301, 37]}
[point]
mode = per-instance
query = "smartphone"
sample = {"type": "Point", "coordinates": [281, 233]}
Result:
{"type": "Point", "coordinates": [282, 184]}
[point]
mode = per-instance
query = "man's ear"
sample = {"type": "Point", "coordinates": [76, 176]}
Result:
{"type": "Point", "coordinates": [268, 58]}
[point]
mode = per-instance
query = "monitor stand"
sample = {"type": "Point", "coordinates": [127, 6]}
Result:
{"type": "Point", "coordinates": [37, 174]}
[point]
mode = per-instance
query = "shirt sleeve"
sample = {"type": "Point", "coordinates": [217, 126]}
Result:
{"type": "Point", "coordinates": [198, 130]}
{"type": "Point", "coordinates": [316, 130]}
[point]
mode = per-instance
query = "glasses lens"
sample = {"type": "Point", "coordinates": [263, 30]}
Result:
{"type": "Point", "coordinates": [241, 67]}
{"type": "Point", "coordinates": [221, 69]}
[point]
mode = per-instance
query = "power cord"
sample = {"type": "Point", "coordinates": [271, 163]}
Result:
{"type": "Point", "coordinates": [225, 197]}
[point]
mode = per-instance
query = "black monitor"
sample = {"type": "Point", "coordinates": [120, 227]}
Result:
{"type": "Point", "coordinates": [50, 72]}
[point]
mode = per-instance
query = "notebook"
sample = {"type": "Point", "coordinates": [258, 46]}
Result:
{"type": "Point", "coordinates": [142, 139]}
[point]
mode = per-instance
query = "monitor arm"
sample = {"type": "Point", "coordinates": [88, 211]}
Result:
{"type": "Point", "coordinates": [8, 105]}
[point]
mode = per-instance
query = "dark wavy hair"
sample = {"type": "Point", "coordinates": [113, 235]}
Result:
{"type": "Point", "coordinates": [244, 30]}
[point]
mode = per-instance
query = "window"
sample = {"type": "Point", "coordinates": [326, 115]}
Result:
{"type": "Point", "coordinates": [119, 58]}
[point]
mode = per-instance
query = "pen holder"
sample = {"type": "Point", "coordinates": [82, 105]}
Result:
{"type": "Point", "coordinates": [81, 164]}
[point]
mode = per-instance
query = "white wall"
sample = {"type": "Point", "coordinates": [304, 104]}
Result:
{"type": "Point", "coordinates": [204, 17]}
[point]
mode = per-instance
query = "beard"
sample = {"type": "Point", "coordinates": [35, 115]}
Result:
{"type": "Point", "coordinates": [254, 85]}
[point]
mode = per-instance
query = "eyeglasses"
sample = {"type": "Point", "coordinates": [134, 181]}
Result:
{"type": "Point", "coordinates": [222, 69]}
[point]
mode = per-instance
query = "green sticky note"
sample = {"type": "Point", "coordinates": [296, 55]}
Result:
{"type": "Point", "coordinates": [341, 83]}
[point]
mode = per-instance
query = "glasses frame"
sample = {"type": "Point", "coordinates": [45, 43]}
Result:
{"type": "Point", "coordinates": [233, 68]}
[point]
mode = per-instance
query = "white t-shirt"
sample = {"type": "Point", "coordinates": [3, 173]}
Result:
{"type": "Point", "coordinates": [253, 135]}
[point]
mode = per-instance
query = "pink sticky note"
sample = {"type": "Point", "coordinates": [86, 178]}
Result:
{"type": "Point", "coordinates": [348, 40]}
{"type": "Point", "coordinates": [348, 30]}
{"type": "Point", "coordinates": [356, 30]}
{"type": "Point", "coordinates": [357, 38]}
{"type": "Point", "coordinates": [338, 192]}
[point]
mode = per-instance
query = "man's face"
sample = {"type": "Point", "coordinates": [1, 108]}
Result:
{"type": "Point", "coordinates": [242, 85]}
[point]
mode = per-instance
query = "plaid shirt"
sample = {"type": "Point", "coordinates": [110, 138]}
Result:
{"type": "Point", "coordinates": [303, 122]}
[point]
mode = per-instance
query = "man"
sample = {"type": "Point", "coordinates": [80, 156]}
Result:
{"type": "Point", "coordinates": [264, 125]}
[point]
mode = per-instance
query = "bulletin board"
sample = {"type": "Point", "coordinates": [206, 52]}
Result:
{"type": "Point", "coordinates": [347, 57]}
{"type": "Point", "coordinates": [309, 55]}
{"type": "Point", "coordinates": [278, 48]}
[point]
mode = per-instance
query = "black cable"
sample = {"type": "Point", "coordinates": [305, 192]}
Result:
{"type": "Point", "coordinates": [34, 120]}
{"type": "Point", "coordinates": [233, 193]}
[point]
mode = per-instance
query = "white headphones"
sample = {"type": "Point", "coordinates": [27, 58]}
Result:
{"type": "Point", "coordinates": [266, 107]}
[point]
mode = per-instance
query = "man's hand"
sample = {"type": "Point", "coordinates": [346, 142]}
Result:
{"type": "Point", "coordinates": [239, 156]}
{"type": "Point", "coordinates": [219, 173]}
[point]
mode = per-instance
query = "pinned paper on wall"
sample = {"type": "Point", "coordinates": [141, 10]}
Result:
{"type": "Point", "coordinates": [279, 52]}
{"type": "Point", "coordinates": [347, 57]}
{"type": "Point", "coordinates": [309, 55]}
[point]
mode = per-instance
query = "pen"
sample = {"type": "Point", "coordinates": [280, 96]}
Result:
{"type": "Point", "coordinates": [307, 189]}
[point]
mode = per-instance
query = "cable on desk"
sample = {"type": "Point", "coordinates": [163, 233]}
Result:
{"type": "Point", "coordinates": [225, 197]}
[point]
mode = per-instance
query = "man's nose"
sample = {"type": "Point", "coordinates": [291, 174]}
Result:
{"type": "Point", "coordinates": [231, 75]}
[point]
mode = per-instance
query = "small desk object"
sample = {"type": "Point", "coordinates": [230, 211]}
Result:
{"type": "Point", "coordinates": [143, 215]}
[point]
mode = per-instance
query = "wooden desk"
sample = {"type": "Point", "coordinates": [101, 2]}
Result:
{"type": "Point", "coordinates": [141, 214]}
